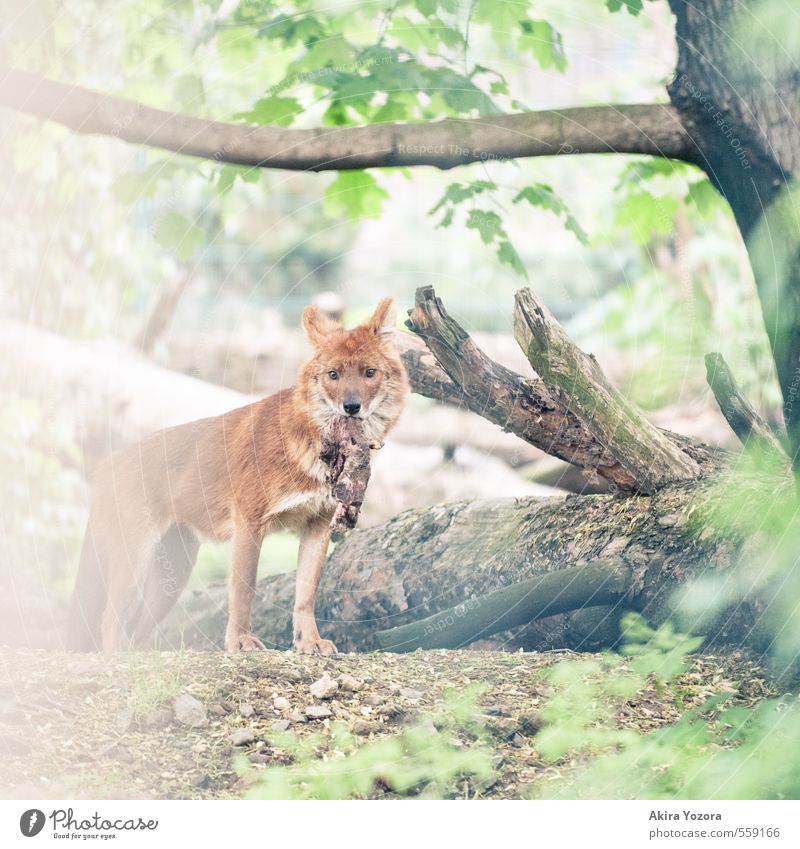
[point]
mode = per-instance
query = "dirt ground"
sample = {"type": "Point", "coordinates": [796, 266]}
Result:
{"type": "Point", "coordinates": [203, 725]}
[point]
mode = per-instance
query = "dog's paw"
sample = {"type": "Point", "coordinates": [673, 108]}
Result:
{"type": "Point", "coordinates": [315, 646]}
{"type": "Point", "coordinates": [243, 642]}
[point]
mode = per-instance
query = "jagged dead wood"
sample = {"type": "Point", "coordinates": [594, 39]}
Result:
{"type": "Point", "coordinates": [516, 403]}
{"type": "Point", "coordinates": [426, 376]}
{"type": "Point", "coordinates": [577, 381]}
{"type": "Point", "coordinates": [345, 450]}
{"type": "Point", "coordinates": [746, 423]}
{"type": "Point", "coordinates": [601, 582]}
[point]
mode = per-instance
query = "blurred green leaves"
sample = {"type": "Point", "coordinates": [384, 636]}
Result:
{"type": "Point", "coordinates": [632, 7]}
{"type": "Point", "coordinates": [354, 195]}
{"type": "Point", "coordinates": [175, 232]}
{"type": "Point", "coordinates": [542, 195]}
{"type": "Point", "coordinates": [487, 223]}
{"type": "Point", "coordinates": [275, 110]}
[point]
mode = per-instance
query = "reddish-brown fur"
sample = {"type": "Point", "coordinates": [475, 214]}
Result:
{"type": "Point", "coordinates": [234, 477]}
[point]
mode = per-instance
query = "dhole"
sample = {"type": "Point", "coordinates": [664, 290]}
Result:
{"type": "Point", "coordinates": [235, 477]}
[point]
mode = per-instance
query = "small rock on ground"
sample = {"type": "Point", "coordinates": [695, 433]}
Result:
{"type": "Point", "coordinates": [241, 736]}
{"type": "Point", "coordinates": [325, 688]}
{"type": "Point", "coordinates": [190, 711]}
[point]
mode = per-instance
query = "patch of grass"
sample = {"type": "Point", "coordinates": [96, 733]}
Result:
{"type": "Point", "coordinates": [154, 684]}
{"type": "Point", "coordinates": [278, 555]}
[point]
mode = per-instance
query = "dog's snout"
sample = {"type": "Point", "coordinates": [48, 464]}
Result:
{"type": "Point", "coordinates": [352, 408]}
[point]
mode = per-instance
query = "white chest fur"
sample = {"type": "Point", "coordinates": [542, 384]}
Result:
{"type": "Point", "coordinates": [296, 508]}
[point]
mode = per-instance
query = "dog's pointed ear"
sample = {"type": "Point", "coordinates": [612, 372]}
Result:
{"type": "Point", "coordinates": [317, 325]}
{"type": "Point", "coordinates": [384, 319]}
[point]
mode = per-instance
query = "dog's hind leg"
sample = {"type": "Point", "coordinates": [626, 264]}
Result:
{"type": "Point", "coordinates": [170, 566]}
{"type": "Point", "coordinates": [125, 583]}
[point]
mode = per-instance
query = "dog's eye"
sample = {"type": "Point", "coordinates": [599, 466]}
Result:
{"type": "Point", "coordinates": [370, 372]}
{"type": "Point", "coordinates": [333, 375]}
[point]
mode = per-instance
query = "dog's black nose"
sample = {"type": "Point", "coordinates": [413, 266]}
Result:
{"type": "Point", "coordinates": [352, 407]}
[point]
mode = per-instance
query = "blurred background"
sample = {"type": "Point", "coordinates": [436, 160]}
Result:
{"type": "Point", "coordinates": [140, 289]}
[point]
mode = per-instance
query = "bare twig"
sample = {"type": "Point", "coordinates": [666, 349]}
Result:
{"type": "Point", "coordinates": [745, 422]}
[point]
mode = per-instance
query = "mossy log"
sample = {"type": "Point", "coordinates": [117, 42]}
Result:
{"type": "Point", "coordinates": [429, 560]}
{"type": "Point", "coordinates": [576, 379]}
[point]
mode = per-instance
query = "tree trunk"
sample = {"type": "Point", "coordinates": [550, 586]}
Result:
{"type": "Point", "coordinates": [738, 98]}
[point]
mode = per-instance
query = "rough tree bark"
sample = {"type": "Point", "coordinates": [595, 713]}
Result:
{"type": "Point", "coordinates": [741, 106]}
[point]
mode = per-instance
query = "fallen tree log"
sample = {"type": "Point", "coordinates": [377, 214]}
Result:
{"type": "Point", "coordinates": [429, 560]}
{"type": "Point", "coordinates": [601, 582]}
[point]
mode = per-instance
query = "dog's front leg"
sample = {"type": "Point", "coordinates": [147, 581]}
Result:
{"type": "Point", "coordinates": [313, 548]}
{"type": "Point", "coordinates": [244, 569]}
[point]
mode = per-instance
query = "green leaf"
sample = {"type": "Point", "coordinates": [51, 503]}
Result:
{"type": "Point", "coordinates": [502, 16]}
{"type": "Point", "coordinates": [459, 92]}
{"type": "Point", "coordinates": [487, 223]}
{"type": "Point", "coordinates": [237, 48]}
{"type": "Point", "coordinates": [274, 110]}
{"type": "Point", "coordinates": [646, 214]}
{"type": "Point", "coordinates": [133, 185]}
{"type": "Point", "coordinates": [705, 198]}
{"type": "Point", "coordinates": [636, 173]}
{"type": "Point", "coordinates": [229, 173]}
{"type": "Point", "coordinates": [355, 194]}
{"type": "Point", "coordinates": [320, 58]}
{"type": "Point", "coordinates": [633, 7]}
{"type": "Point", "coordinates": [294, 29]}
{"type": "Point", "coordinates": [459, 192]}
{"type": "Point", "coordinates": [543, 196]}
{"type": "Point", "coordinates": [398, 107]}
{"type": "Point", "coordinates": [544, 41]}
{"type": "Point", "coordinates": [414, 35]}
{"type": "Point", "coordinates": [174, 231]}
{"type": "Point", "coordinates": [508, 255]}
{"type": "Point", "coordinates": [336, 115]}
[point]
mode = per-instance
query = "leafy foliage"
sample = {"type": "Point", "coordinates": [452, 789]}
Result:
{"type": "Point", "coordinates": [633, 7]}
{"type": "Point", "coordinates": [715, 751]}
{"type": "Point", "coordinates": [489, 224]}
{"type": "Point", "coordinates": [354, 194]}
{"type": "Point", "coordinates": [543, 196]}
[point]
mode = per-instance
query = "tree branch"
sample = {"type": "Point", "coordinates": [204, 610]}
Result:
{"type": "Point", "coordinates": [520, 405]}
{"type": "Point", "coordinates": [598, 583]}
{"type": "Point", "coordinates": [426, 376]}
{"type": "Point", "coordinates": [745, 422]}
{"type": "Point", "coordinates": [647, 129]}
{"type": "Point", "coordinates": [577, 381]}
